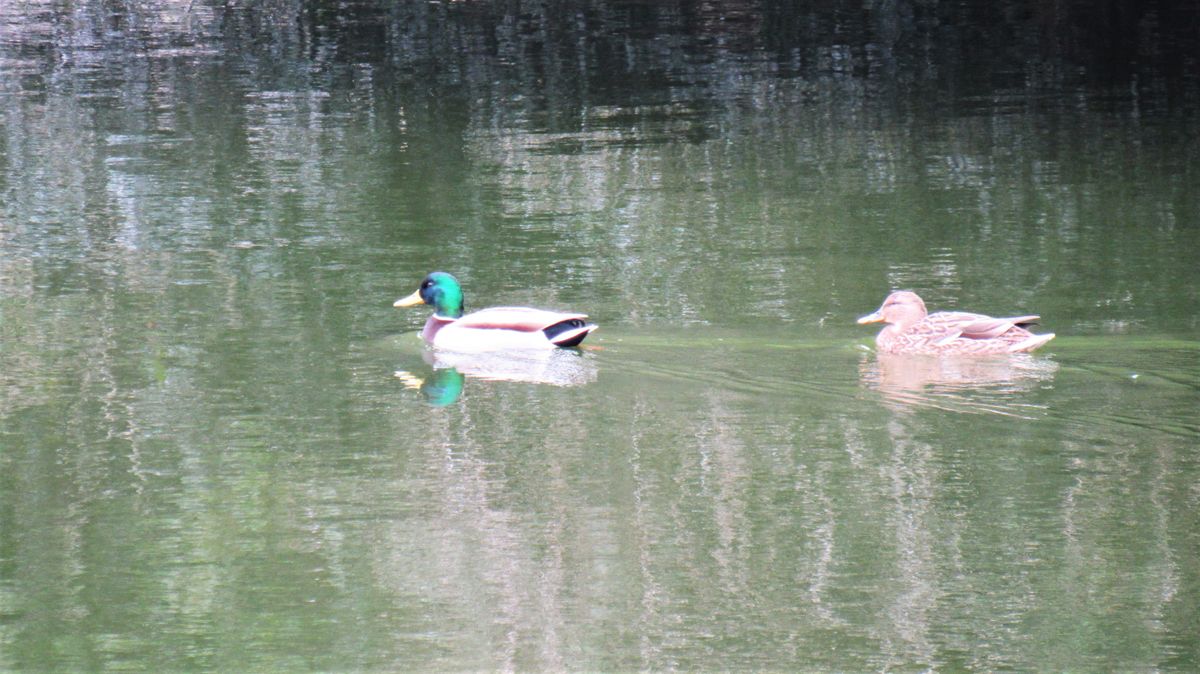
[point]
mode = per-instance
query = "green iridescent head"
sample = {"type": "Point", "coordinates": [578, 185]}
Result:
{"type": "Point", "coordinates": [440, 290]}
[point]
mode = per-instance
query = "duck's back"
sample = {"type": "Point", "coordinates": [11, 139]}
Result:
{"type": "Point", "coordinates": [502, 328]}
{"type": "Point", "coordinates": [960, 332]}
{"type": "Point", "coordinates": [521, 319]}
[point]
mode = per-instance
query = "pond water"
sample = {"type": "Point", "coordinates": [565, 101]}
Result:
{"type": "Point", "coordinates": [221, 448]}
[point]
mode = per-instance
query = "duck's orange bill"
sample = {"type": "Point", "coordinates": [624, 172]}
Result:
{"type": "Point", "coordinates": [412, 300]}
{"type": "Point", "coordinates": [869, 318]}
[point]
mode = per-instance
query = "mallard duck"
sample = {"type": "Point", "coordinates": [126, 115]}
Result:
{"type": "Point", "coordinates": [912, 330]}
{"type": "Point", "coordinates": [490, 329]}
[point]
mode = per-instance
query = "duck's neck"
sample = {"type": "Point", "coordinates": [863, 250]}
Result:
{"type": "Point", "coordinates": [433, 325]}
{"type": "Point", "coordinates": [448, 301]}
{"type": "Point", "coordinates": [449, 311]}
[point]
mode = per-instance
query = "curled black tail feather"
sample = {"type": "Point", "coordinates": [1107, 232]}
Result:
{"type": "Point", "coordinates": [570, 325]}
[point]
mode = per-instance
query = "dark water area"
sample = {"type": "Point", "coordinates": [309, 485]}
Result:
{"type": "Point", "coordinates": [221, 447]}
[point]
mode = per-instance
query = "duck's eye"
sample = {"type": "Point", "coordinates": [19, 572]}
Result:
{"type": "Point", "coordinates": [426, 284]}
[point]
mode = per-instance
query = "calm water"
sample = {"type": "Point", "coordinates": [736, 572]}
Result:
{"type": "Point", "coordinates": [221, 448]}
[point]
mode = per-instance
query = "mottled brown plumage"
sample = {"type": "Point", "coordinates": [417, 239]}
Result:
{"type": "Point", "coordinates": [912, 330]}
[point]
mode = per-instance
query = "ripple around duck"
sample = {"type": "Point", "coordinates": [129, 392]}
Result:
{"type": "Point", "coordinates": [835, 370]}
{"type": "Point", "coordinates": [769, 369]}
{"type": "Point", "coordinates": [1058, 386]}
{"type": "Point", "coordinates": [1145, 383]}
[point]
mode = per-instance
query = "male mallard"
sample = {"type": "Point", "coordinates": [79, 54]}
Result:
{"type": "Point", "coordinates": [490, 329]}
{"type": "Point", "coordinates": [911, 330]}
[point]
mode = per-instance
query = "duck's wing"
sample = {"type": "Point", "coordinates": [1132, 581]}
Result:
{"type": "Point", "coordinates": [521, 319]}
{"type": "Point", "coordinates": [950, 325]}
{"type": "Point", "coordinates": [987, 327]}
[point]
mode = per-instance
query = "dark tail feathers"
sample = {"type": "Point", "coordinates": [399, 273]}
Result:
{"type": "Point", "coordinates": [568, 333]}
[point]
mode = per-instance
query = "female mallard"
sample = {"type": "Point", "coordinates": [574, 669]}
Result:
{"type": "Point", "coordinates": [490, 329]}
{"type": "Point", "coordinates": [911, 330]}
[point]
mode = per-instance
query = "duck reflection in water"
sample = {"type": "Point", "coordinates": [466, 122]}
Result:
{"type": "Point", "coordinates": [980, 384]}
{"type": "Point", "coordinates": [450, 370]}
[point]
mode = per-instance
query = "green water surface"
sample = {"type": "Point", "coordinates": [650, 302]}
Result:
{"type": "Point", "coordinates": [222, 449]}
